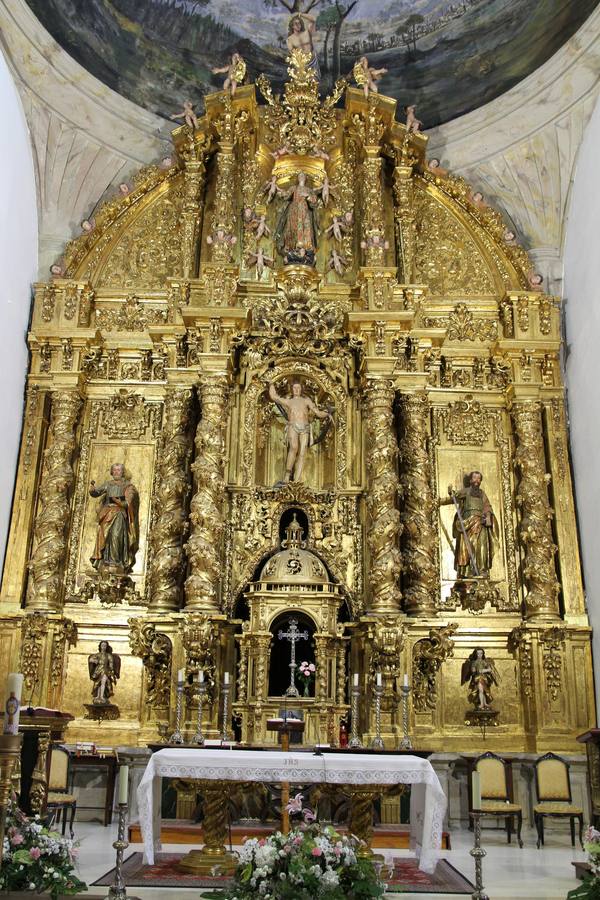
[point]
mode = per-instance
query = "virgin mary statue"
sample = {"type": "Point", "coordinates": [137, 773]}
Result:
{"type": "Point", "coordinates": [296, 231]}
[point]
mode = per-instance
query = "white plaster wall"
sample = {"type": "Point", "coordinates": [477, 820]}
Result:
{"type": "Point", "coordinates": [18, 267]}
{"type": "Point", "coordinates": [582, 312]}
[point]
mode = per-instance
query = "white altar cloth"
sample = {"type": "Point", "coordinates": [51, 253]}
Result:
{"type": "Point", "coordinates": [427, 799]}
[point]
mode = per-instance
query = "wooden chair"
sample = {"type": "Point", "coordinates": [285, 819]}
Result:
{"type": "Point", "coordinates": [553, 788]}
{"type": "Point", "coordinates": [495, 775]}
{"type": "Point", "coordinates": [58, 799]}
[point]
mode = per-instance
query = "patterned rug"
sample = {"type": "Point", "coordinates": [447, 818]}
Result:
{"type": "Point", "coordinates": [405, 877]}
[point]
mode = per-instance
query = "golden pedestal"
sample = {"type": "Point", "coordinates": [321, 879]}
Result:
{"type": "Point", "coordinates": [213, 856]}
{"type": "Point", "coordinates": [10, 753]}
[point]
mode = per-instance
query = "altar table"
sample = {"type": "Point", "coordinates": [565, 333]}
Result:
{"type": "Point", "coordinates": [427, 799]}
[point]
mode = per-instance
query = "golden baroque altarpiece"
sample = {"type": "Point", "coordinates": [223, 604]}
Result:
{"type": "Point", "coordinates": [405, 313]}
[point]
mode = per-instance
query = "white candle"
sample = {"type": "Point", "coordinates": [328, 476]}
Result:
{"type": "Point", "coordinates": [356, 679]}
{"type": "Point", "coordinates": [201, 677]}
{"type": "Point", "coordinates": [405, 680]}
{"type": "Point", "coordinates": [12, 707]}
{"type": "Point", "coordinates": [476, 789]}
{"type": "Point", "coordinates": [378, 679]}
{"type": "Point", "coordinates": [123, 783]}
{"type": "Point", "coordinates": [180, 676]}
{"type": "Point", "coordinates": [226, 678]}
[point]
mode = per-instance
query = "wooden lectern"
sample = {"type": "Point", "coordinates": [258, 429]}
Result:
{"type": "Point", "coordinates": [285, 727]}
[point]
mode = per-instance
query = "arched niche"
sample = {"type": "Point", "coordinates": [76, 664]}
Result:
{"type": "Point", "coordinates": [280, 656]}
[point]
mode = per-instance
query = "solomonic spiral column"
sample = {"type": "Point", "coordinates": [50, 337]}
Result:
{"type": "Point", "coordinates": [384, 519]}
{"type": "Point", "coordinates": [168, 531]}
{"type": "Point", "coordinates": [52, 520]}
{"type": "Point", "coordinates": [206, 512]}
{"type": "Point", "coordinates": [419, 538]}
{"type": "Point", "coordinates": [535, 532]}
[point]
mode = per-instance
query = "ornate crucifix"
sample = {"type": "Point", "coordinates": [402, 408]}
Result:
{"type": "Point", "coordinates": [293, 636]}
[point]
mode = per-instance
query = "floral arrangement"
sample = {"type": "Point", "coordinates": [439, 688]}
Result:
{"type": "Point", "coordinates": [37, 859]}
{"type": "Point", "coordinates": [312, 862]}
{"type": "Point", "coordinates": [306, 673]}
{"type": "Point", "coordinates": [590, 887]}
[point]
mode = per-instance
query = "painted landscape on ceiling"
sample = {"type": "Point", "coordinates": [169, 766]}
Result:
{"type": "Point", "coordinates": [447, 57]}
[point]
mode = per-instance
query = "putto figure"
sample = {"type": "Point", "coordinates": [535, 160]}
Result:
{"type": "Point", "coordinates": [105, 670]}
{"type": "Point", "coordinates": [298, 410]}
{"type": "Point", "coordinates": [481, 674]}
{"type": "Point", "coordinates": [473, 528]}
{"type": "Point", "coordinates": [117, 537]}
{"type": "Point", "coordinates": [188, 115]}
{"type": "Point", "coordinates": [366, 76]}
{"type": "Point", "coordinates": [235, 71]}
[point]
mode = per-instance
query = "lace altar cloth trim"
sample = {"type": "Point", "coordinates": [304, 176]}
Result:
{"type": "Point", "coordinates": [427, 799]}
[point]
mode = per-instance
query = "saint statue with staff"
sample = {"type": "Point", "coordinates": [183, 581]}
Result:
{"type": "Point", "coordinates": [117, 536]}
{"type": "Point", "coordinates": [473, 528]}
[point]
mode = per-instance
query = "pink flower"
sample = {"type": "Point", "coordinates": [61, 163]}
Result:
{"type": "Point", "coordinates": [298, 840]}
{"type": "Point", "coordinates": [295, 804]}
{"type": "Point", "coordinates": [316, 851]}
{"type": "Point", "coordinates": [309, 816]}
{"type": "Point", "coordinates": [262, 842]}
{"type": "Point", "coordinates": [17, 839]}
{"type": "Point", "coordinates": [312, 667]}
{"type": "Point", "coordinates": [35, 853]}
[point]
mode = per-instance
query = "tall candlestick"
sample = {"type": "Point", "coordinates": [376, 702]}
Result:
{"type": "Point", "coordinates": [123, 783]}
{"type": "Point", "coordinates": [12, 708]}
{"type": "Point", "coordinates": [355, 741]}
{"type": "Point", "coordinates": [377, 743]}
{"type": "Point", "coordinates": [405, 743]}
{"type": "Point", "coordinates": [476, 790]}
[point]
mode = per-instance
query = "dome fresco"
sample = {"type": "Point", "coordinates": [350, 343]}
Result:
{"type": "Point", "coordinates": [447, 57]}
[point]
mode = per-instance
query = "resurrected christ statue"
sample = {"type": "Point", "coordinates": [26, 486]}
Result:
{"type": "Point", "coordinates": [297, 409]}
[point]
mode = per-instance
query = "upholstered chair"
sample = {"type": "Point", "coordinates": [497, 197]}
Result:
{"type": "Point", "coordinates": [58, 799]}
{"type": "Point", "coordinates": [553, 788]}
{"type": "Point", "coordinates": [495, 775]}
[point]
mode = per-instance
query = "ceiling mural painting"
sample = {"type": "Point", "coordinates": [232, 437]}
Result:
{"type": "Point", "coordinates": [447, 57]}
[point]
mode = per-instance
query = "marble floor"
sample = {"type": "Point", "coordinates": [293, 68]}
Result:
{"type": "Point", "coordinates": [509, 873]}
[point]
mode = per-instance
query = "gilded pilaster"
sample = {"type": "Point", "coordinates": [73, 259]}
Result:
{"type": "Point", "coordinates": [419, 538]}
{"type": "Point", "coordinates": [384, 526]}
{"type": "Point", "coordinates": [193, 180]}
{"type": "Point", "coordinates": [222, 237]}
{"type": "Point", "coordinates": [535, 532]}
{"type": "Point", "coordinates": [44, 590]}
{"type": "Point", "coordinates": [404, 215]}
{"type": "Point", "coordinates": [206, 511]}
{"type": "Point", "coordinates": [172, 492]}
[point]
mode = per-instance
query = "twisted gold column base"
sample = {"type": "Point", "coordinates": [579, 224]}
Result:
{"type": "Point", "coordinates": [208, 860]}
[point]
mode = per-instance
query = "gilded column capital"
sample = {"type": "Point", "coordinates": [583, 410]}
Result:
{"type": "Point", "coordinates": [419, 537]}
{"type": "Point", "coordinates": [384, 518]}
{"type": "Point", "coordinates": [535, 531]}
{"type": "Point", "coordinates": [206, 510]}
{"type": "Point", "coordinates": [44, 590]}
{"type": "Point", "coordinates": [172, 494]}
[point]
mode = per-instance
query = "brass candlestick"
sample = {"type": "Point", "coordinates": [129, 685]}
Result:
{"type": "Point", "coordinates": [355, 742]}
{"type": "Point", "coordinates": [117, 890]}
{"type": "Point", "coordinates": [377, 742]}
{"type": "Point", "coordinates": [177, 737]}
{"type": "Point", "coordinates": [478, 853]}
{"type": "Point", "coordinates": [198, 738]}
{"type": "Point", "coordinates": [405, 743]}
{"type": "Point", "coordinates": [225, 726]}
{"type": "Point", "coordinates": [10, 752]}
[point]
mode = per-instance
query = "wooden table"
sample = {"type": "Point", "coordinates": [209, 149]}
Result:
{"type": "Point", "coordinates": [95, 761]}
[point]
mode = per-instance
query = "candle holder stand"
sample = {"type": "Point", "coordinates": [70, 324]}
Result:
{"type": "Point", "coordinates": [198, 738]}
{"type": "Point", "coordinates": [405, 743]}
{"type": "Point", "coordinates": [377, 742]}
{"type": "Point", "coordinates": [355, 742]}
{"type": "Point", "coordinates": [477, 853]}
{"type": "Point", "coordinates": [225, 688]}
{"type": "Point", "coordinates": [177, 737]}
{"type": "Point", "coordinates": [10, 753]}
{"type": "Point", "coordinates": [117, 890]}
